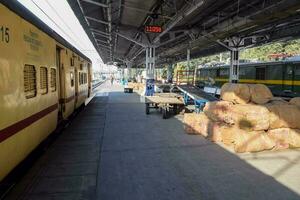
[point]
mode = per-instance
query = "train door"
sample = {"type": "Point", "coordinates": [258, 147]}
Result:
{"type": "Point", "coordinates": [297, 79]}
{"type": "Point", "coordinates": [59, 65]}
{"type": "Point", "coordinates": [89, 79]}
{"type": "Point", "coordinates": [76, 86]}
{"type": "Point", "coordinates": [288, 78]}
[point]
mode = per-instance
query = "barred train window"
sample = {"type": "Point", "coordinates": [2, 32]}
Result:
{"type": "Point", "coordinates": [53, 80]}
{"type": "Point", "coordinates": [79, 77]}
{"type": "Point", "coordinates": [72, 79]}
{"type": "Point", "coordinates": [29, 81]}
{"type": "Point", "coordinates": [72, 61]}
{"type": "Point", "coordinates": [44, 80]}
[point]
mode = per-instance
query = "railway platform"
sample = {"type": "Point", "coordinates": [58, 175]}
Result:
{"type": "Point", "coordinates": [113, 151]}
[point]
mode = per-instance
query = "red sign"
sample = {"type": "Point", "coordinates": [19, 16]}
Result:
{"type": "Point", "coordinates": [153, 29]}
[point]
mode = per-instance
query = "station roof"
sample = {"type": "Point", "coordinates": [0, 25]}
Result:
{"type": "Point", "coordinates": [116, 27]}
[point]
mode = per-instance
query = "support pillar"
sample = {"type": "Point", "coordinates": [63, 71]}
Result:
{"type": "Point", "coordinates": [129, 67]}
{"type": "Point", "coordinates": [188, 59]}
{"type": "Point", "coordinates": [150, 70]}
{"type": "Point", "coordinates": [169, 73]}
{"type": "Point", "coordinates": [234, 65]}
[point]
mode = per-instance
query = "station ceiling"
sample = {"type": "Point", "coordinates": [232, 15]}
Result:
{"type": "Point", "coordinates": [116, 27]}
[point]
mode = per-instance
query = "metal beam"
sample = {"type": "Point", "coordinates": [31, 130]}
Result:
{"type": "Point", "coordinates": [131, 39]}
{"type": "Point", "coordinates": [98, 31]}
{"type": "Point", "coordinates": [178, 18]}
{"type": "Point", "coordinates": [138, 53]}
{"type": "Point", "coordinates": [100, 34]}
{"type": "Point", "coordinates": [105, 41]}
{"type": "Point", "coordinates": [104, 46]}
{"type": "Point", "coordinates": [97, 20]}
{"type": "Point", "coordinates": [96, 3]}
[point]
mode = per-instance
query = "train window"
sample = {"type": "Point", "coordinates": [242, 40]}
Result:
{"type": "Point", "coordinates": [29, 81]}
{"type": "Point", "coordinates": [81, 66]}
{"type": "Point", "coordinates": [289, 70]}
{"type": "Point", "coordinates": [72, 79]}
{"type": "Point", "coordinates": [80, 82]}
{"type": "Point", "coordinates": [71, 61]}
{"type": "Point", "coordinates": [242, 71]}
{"type": "Point", "coordinates": [44, 80]}
{"type": "Point", "coordinates": [53, 80]}
{"type": "Point", "coordinates": [260, 73]}
{"type": "Point", "coordinates": [297, 71]}
{"type": "Point", "coordinates": [85, 77]}
{"type": "Point", "coordinates": [218, 73]}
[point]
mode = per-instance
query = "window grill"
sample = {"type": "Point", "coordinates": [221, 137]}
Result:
{"type": "Point", "coordinates": [53, 80]}
{"type": "Point", "coordinates": [44, 80]}
{"type": "Point", "coordinates": [71, 61]}
{"type": "Point", "coordinates": [72, 79]}
{"type": "Point", "coordinates": [29, 81]}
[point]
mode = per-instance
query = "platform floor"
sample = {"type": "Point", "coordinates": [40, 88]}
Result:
{"type": "Point", "coordinates": [113, 151]}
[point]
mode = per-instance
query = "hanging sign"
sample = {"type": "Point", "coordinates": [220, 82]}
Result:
{"type": "Point", "coordinates": [153, 29]}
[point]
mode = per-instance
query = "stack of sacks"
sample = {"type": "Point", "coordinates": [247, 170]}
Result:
{"type": "Point", "coordinates": [250, 119]}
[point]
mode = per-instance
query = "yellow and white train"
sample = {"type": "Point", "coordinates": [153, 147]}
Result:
{"type": "Point", "coordinates": [43, 79]}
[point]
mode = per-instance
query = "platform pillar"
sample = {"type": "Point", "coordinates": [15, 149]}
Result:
{"type": "Point", "coordinates": [169, 73]}
{"type": "Point", "coordinates": [150, 71]}
{"type": "Point", "coordinates": [129, 67]}
{"type": "Point", "coordinates": [234, 65]}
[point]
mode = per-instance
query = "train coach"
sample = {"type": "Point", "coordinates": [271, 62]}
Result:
{"type": "Point", "coordinates": [43, 80]}
{"type": "Point", "coordinates": [282, 77]}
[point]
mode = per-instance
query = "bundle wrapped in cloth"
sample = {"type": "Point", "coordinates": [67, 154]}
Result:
{"type": "Point", "coordinates": [260, 94]}
{"type": "Point", "coordinates": [252, 141]}
{"type": "Point", "coordinates": [295, 101]}
{"type": "Point", "coordinates": [235, 93]}
{"type": "Point", "coordinates": [285, 137]}
{"type": "Point", "coordinates": [284, 116]}
{"type": "Point", "coordinates": [200, 124]}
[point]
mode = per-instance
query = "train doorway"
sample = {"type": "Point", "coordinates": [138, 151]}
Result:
{"type": "Point", "coordinates": [288, 79]}
{"type": "Point", "coordinates": [60, 88]}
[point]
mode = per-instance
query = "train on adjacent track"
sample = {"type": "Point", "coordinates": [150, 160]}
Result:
{"type": "Point", "coordinates": [282, 77]}
{"type": "Point", "coordinates": [44, 79]}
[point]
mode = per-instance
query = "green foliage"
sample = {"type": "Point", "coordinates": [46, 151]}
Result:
{"type": "Point", "coordinates": [164, 73]}
{"type": "Point", "coordinates": [262, 53]}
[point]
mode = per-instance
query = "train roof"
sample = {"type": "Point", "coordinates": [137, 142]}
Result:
{"type": "Point", "coordinates": [295, 59]}
{"type": "Point", "coordinates": [23, 12]}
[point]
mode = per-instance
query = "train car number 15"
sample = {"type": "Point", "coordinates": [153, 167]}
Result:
{"type": "Point", "coordinates": [4, 34]}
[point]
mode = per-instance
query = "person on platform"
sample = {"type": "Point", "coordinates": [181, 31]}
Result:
{"type": "Point", "coordinates": [112, 79]}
